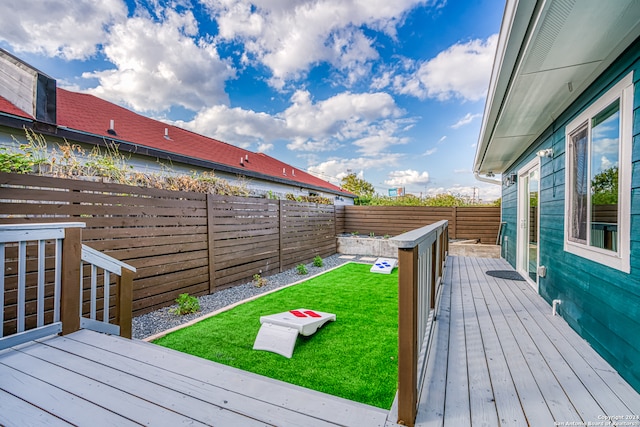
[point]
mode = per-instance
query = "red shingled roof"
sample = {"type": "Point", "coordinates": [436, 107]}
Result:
{"type": "Point", "coordinates": [92, 115]}
{"type": "Point", "coordinates": [8, 107]}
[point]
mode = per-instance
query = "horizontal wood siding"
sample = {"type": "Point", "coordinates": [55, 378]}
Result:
{"type": "Point", "coordinates": [179, 242]}
{"type": "Point", "coordinates": [602, 304]}
{"type": "Point", "coordinates": [161, 233]}
{"type": "Point", "coordinates": [307, 230]}
{"type": "Point", "coordinates": [246, 233]}
{"type": "Point", "coordinates": [464, 222]}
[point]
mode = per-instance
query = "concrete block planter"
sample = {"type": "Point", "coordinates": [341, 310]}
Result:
{"type": "Point", "coordinates": [362, 245]}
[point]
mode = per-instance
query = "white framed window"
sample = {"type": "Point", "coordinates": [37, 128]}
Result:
{"type": "Point", "coordinates": [598, 179]}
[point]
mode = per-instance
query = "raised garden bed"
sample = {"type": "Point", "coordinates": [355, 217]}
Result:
{"type": "Point", "coordinates": [367, 245]}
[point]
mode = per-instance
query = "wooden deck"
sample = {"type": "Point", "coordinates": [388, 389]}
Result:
{"type": "Point", "coordinates": [499, 358]}
{"type": "Point", "coordinates": [92, 379]}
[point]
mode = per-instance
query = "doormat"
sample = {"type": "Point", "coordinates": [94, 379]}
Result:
{"type": "Point", "coordinates": [505, 274]}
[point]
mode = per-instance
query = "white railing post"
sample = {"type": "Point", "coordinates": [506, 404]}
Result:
{"type": "Point", "coordinates": [19, 239]}
{"type": "Point", "coordinates": [69, 253]}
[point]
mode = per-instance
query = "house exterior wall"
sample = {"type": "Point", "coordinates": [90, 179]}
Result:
{"type": "Point", "coordinates": [601, 303]}
{"type": "Point", "coordinates": [11, 138]}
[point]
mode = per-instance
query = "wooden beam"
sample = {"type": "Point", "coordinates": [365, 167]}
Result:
{"type": "Point", "coordinates": [281, 219]}
{"type": "Point", "coordinates": [211, 244]}
{"type": "Point", "coordinates": [70, 289]}
{"type": "Point", "coordinates": [125, 302]}
{"type": "Point", "coordinates": [407, 335]}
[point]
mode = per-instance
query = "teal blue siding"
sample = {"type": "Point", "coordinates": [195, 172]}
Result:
{"type": "Point", "coordinates": [600, 303]}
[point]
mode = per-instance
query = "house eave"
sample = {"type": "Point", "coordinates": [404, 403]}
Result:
{"type": "Point", "coordinates": [544, 61]}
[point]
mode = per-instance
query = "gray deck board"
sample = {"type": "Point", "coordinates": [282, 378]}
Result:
{"type": "Point", "coordinates": [532, 402]}
{"type": "Point", "coordinates": [481, 392]}
{"type": "Point", "coordinates": [505, 396]}
{"type": "Point", "coordinates": [432, 398]}
{"type": "Point", "coordinates": [498, 357]}
{"type": "Point", "coordinates": [16, 412]}
{"type": "Point", "coordinates": [457, 411]}
{"type": "Point", "coordinates": [506, 353]}
{"type": "Point", "coordinates": [88, 378]}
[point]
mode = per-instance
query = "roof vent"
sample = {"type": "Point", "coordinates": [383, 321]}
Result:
{"type": "Point", "coordinates": [241, 161]}
{"type": "Point", "coordinates": [246, 157]}
{"type": "Point", "coordinates": [166, 133]}
{"type": "Point", "coordinates": [293, 172]}
{"type": "Point", "coordinates": [284, 171]}
{"type": "Point", "coordinates": [111, 130]}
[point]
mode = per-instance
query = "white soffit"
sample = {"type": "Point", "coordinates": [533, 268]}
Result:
{"type": "Point", "coordinates": [569, 41]}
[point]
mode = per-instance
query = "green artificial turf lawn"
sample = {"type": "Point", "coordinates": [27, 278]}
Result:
{"type": "Point", "coordinates": [354, 357]}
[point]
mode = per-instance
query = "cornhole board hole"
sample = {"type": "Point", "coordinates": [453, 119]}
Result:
{"type": "Point", "coordinates": [384, 265]}
{"type": "Point", "coordinates": [279, 331]}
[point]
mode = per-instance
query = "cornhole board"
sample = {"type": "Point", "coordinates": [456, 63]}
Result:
{"type": "Point", "coordinates": [279, 331]}
{"type": "Point", "coordinates": [384, 265]}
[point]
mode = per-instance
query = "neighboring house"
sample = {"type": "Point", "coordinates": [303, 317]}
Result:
{"type": "Point", "coordinates": [29, 98]}
{"type": "Point", "coordinates": [562, 126]}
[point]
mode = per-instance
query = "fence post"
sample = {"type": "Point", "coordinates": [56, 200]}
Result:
{"type": "Point", "coordinates": [71, 290]}
{"type": "Point", "coordinates": [125, 302]}
{"type": "Point", "coordinates": [211, 244]}
{"type": "Point", "coordinates": [407, 335]}
{"type": "Point", "coordinates": [454, 222]}
{"type": "Point", "coordinates": [280, 235]}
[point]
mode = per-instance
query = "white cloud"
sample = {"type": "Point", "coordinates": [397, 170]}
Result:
{"type": "Point", "coordinates": [162, 63]}
{"type": "Point", "coordinates": [407, 177]}
{"type": "Point", "coordinates": [461, 71]}
{"type": "Point", "coordinates": [370, 121]}
{"type": "Point", "coordinates": [237, 126]}
{"type": "Point", "coordinates": [69, 29]}
{"type": "Point", "coordinates": [441, 140]}
{"type": "Point", "coordinates": [430, 151]}
{"type": "Point", "coordinates": [468, 118]}
{"type": "Point", "coordinates": [264, 148]}
{"type": "Point", "coordinates": [291, 36]}
{"type": "Point", "coordinates": [337, 168]}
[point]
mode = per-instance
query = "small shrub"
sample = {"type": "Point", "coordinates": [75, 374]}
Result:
{"type": "Point", "coordinates": [317, 261]}
{"type": "Point", "coordinates": [187, 304]}
{"type": "Point", "coordinates": [372, 234]}
{"type": "Point", "coordinates": [302, 269]}
{"type": "Point", "coordinates": [386, 236]}
{"type": "Point", "coordinates": [354, 233]}
{"type": "Point", "coordinates": [259, 281]}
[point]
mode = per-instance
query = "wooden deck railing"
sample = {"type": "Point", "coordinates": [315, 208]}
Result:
{"type": "Point", "coordinates": [41, 283]}
{"type": "Point", "coordinates": [421, 259]}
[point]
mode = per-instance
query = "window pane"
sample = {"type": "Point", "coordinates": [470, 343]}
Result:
{"type": "Point", "coordinates": [605, 153]}
{"type": "Point", "coordinates": [579, 179]}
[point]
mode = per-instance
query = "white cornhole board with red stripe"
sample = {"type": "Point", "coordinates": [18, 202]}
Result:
{"type": "Point", "coordinates": [384, 265]}
{"type": "Point", "coordinates": [279, 331]}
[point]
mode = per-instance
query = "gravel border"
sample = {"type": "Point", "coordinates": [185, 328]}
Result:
{"type": "Point", "coordinates": [161, 320]}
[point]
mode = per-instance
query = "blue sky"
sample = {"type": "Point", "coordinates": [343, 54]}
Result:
{"type": "Point", "coordinates": [391, 90]}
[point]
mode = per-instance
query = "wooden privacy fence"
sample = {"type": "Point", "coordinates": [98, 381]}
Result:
{"type": "Point", "coordinates": [481, 222]}
{"type": "Point", "coordinates": [178, 241]}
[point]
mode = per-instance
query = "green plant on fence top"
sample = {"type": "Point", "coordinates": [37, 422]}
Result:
{"type": "Point", "coordinates": [317, 261]}
{"type": "Point", "coordinates": [65, 160]}
{"type": "Point", "coordinates": [302, 269]}
{"type": "Point", "coordinates": [187, 304]}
